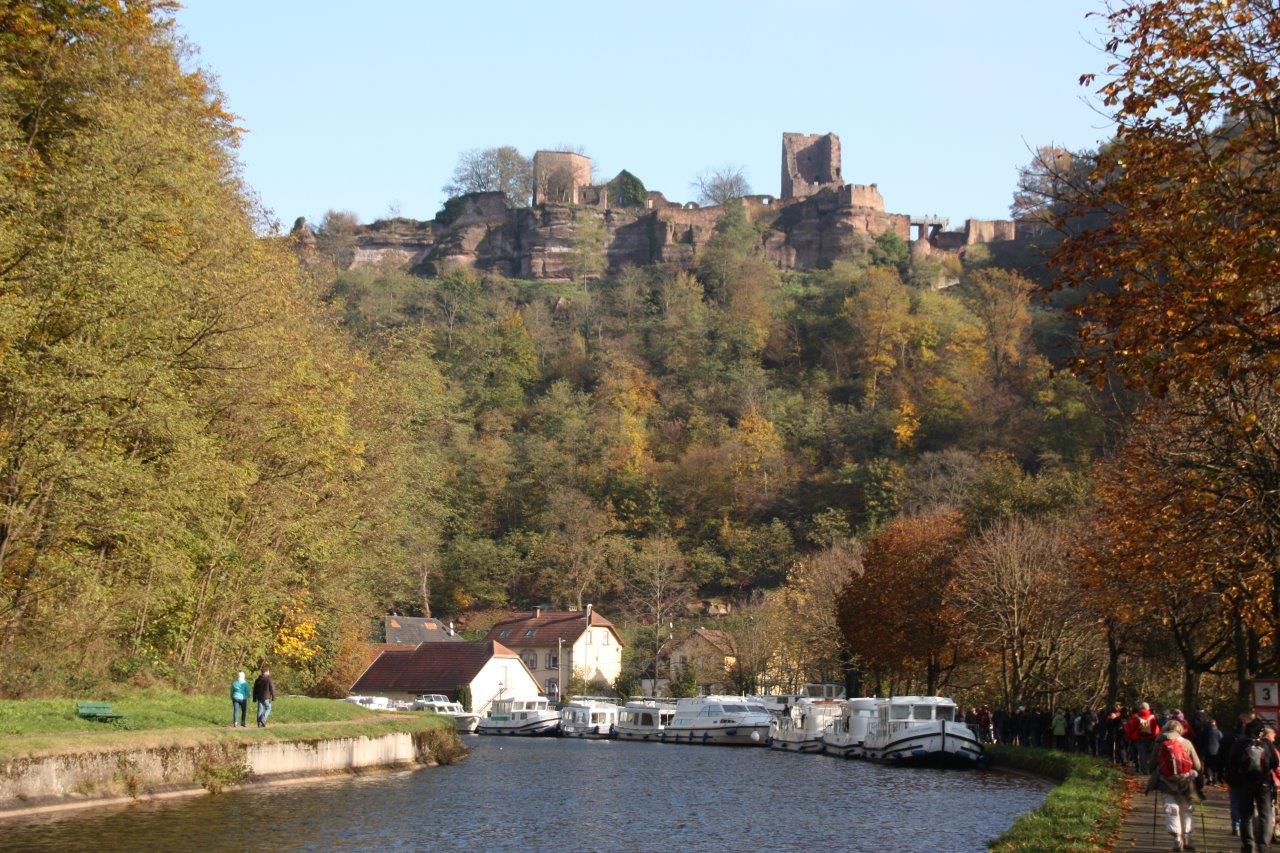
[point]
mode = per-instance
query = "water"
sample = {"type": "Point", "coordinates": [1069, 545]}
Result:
{"type": "Point", "coordinates": [546, 794]}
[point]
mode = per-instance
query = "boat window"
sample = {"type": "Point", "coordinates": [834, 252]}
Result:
{"type": "Point", "coordinates": [734, 709]}
{"type": "Point", "coordinates": [666, 718]}
{"type": "Point", "coordinates": [899, 712]}
{"type": "Point", "coordinates": [922, 712]}
{"type": "Point", "coordinates": [646, 719]}
{"type": "Point", "coordinates": [946, 712]}
{"type": "Point", "coordinates": [597, 718]}
{"type": "Point", "coordinates": [711, 711]}
{"type": "Point", "coordinates": [757, 709]}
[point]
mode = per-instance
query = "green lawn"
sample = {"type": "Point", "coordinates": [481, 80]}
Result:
{"type": "Point", "coordinates": [160, 718]}
{"type": "Point", "coordinates": [1083, 813]}
{"type": "Point", "coordinates": [158, 709]}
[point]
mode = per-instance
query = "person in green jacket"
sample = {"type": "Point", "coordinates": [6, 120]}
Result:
{"type": "Point", "coordinates": [1059, 725]}
{"type": "Point", "coordinates": [239, 700]}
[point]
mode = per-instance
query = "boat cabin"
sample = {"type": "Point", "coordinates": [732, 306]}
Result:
{"type": "Point", "coordinates": [648, 717]}
{"type": "Point", "coordinates": [902, 711]}
{"type": "Point", "coordinates": [518, 709]}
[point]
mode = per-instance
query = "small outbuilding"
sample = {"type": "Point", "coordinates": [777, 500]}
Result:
{"type": "Point", "coordinates": [488, 669]}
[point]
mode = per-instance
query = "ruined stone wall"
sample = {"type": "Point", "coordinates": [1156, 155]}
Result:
{"type": "Point", "coordinates": [810, 163]}
{"type": "Point", "coordinates": [989, 231]}
{"type": "Point", "coordinates": [862, 195]}
{"type": "Point", "coordinates": [559, 176]}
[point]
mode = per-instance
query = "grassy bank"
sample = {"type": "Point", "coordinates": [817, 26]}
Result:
{"type": "Point", "coordinates": [38, 727]}
{"type": "Point", "coordinates": [1082, 813]}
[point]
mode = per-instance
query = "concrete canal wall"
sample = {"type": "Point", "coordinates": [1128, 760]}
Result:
{"type": "Point", "coordinates": [69, 781]}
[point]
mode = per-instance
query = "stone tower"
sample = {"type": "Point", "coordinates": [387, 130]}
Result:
{"type": "Point", "coordinates": [559, 176]}
{"type": "Point", "coordinates": [810, 162]}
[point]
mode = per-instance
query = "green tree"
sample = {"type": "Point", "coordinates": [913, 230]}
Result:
{"type": "Point", "coordinates": [502, 169]}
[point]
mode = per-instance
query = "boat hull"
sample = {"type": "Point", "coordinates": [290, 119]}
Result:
{"type": "Point", "coordinates": [585, 732]}
{"type": "Point", "coordinates": [842, 750]}
{"type": "Point", "coordinates": [466, 724]}
{"type": "Point", "coordinates": [520, 728]}
{"type": "Point", "coordinates": [726, 735]}
{"type": "Point", "coordinates": [629, 734]}
{"type": "Point", "coordinates": [809, 745]}
{"type": "Point", "coordinates": [946, 746]}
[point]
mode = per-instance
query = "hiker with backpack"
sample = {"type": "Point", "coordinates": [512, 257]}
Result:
{"type": "Point", "coordinates": [1250, 768]}
{"type": "Point", "coordinates": [1177, 766]}
{"type": "Point", "coordinates": [1141, 730]}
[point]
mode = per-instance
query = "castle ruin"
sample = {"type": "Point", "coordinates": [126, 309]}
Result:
{"type": "Point", "coordinates": [815, 220]}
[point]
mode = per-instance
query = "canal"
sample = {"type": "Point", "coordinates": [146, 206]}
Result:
{"type": "Point", "coordinates": [546, 794]}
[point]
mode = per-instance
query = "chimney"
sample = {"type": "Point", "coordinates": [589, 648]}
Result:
{"type": "Point", "coordinates": [588, 614]}
{"type": "Point", "coordinates": [537, 613]}
{"type": "Point", "coordinates": [450, 628]}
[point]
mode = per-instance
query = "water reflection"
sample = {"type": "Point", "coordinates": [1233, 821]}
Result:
{"type": "Point", "coordinates": [536, 794]}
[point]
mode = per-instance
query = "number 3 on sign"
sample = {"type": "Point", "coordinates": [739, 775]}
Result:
{"type": "Point", "coordinates": [1264, 693]}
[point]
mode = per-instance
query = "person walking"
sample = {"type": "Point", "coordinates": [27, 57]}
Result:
{"type": "Point", "coordinates": [1141, 730]}
{"type": "Point", "coordinates": [264, 693]}
{"type": "Point", "coordinates": [1176, 768]}
{"type": "Point", "coordinates": [239, 700]}
{"type": "Point", "coordinates": [1211, 738]}
{"type": "Point", "coordinates": [1059, 726]}
{"type": "Point", "coordinates": [1235, 791]}
{"type": "Point", "coordinates": [1250, 766]}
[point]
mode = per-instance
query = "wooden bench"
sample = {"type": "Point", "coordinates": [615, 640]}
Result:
{"type": "Point", "coordinates": [99, 711]}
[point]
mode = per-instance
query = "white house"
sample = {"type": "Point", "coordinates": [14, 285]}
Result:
{"type": "Point", "coordinates": [559, 644]}
{"type": "Point", "coordinates": [489, 669]}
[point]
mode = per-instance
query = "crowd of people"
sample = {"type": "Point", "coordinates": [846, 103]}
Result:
{"type": "Point", "coordinates": [1178, 755]}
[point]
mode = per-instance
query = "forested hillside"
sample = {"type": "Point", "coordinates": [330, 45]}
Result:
{"type": "Point", "coordinates": [220, 446]}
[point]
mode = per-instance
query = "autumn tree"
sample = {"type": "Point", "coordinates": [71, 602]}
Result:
{"type": "Point", "coordinates": [657, 587]}
{"type": "Point", "coordinates": [1189, 189]}
{"type": "Point", "coordinates": [1015, 591]}
{"type": "Point", "coordinates": [878, 313]}
{"type": "Point", "coordinates": [502, 169]}
{"type": "Point", "coordinates": [894, 616]}
{"type": "Point", "coordinates": [721, 185]}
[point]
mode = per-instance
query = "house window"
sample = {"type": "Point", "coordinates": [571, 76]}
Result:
{"type": "Point", "coordinates": [553, 660]}
{"type": "Point", "coordinates": [553, 686]}
{"type": "Point", "coordinates": [606, 638]}
{"type": "Point", "coordinates": [529, 633]}
{"type": "Point", "coordinates": [503, 634]}
{"type": "Point", "coordinates": [530, 659]}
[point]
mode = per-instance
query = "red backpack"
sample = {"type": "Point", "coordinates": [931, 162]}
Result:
{"type": "Point", "coordinates": [1172, 758]}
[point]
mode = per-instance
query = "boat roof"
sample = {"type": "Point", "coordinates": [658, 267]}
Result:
{"type": "Point", "coordinates": [919, 700]}
{"type": "Point", "coordinates": [591, 702]}
{"type": "Point", "coordinates": [665, 704]}
{"type": "Point", "coordinates": [522, 698]}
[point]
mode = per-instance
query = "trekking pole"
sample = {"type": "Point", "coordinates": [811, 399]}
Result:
{"type": "Point", "coordinates": [1155, 816]}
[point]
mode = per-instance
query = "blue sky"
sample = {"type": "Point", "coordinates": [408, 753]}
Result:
{"type": "Point", "coordinates": [365, 106]}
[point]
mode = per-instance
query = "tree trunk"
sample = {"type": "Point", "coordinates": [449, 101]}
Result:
{"type": "Point", "coordinates": [1190, 689]}
{"type": "Point", "coordinates": [1113, 668]}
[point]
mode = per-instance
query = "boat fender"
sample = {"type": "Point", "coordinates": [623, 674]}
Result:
{"type": "Point", "coordinates": [755, 736]}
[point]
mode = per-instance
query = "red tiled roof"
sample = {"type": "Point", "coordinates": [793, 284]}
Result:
{"type": "Point", "coordinates": [547, 627]}
{"type": "Point", "coordinates": [438, 667]}
{"type": "Point", "coordinates": [372, 650]}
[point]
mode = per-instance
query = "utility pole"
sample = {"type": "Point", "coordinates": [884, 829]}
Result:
{"type": "Point", "coordinates": [559, 668]}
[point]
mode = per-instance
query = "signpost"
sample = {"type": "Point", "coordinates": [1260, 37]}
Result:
{"type": "Point", "coordinates": [1266, 699]}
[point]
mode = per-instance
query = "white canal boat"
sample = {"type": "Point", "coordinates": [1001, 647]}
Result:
{"type": "Point", "coordinates": [520, 715]}
{"type": "Point", "coordinates": [801, 728]}
{"type": "Point", "coordinates": [723, 720]}
{"type": "Point", "coordinates": [921, 730]}
{"type": "Point", "coordinates": [844, 738]}
{"type": "Point", "coordinates": [588, 717]}
{"type": "Point", "coordinates": [644, 719]}
{"type": "Point", "coordinates": [464, 722]}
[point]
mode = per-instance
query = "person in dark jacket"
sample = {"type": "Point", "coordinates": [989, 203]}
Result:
{"type": "Point", "coordinates": [264, 693]}
{"type": "Point", "coordinates": [1210, 748]}
{"type": "Point", "coordinates": [1251, 782]}
{"type": "Point", "coordinates": [1234, 792]}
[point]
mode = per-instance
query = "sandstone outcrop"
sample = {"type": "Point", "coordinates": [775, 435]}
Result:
{"type": "Point", "coordinates": [817, 220]}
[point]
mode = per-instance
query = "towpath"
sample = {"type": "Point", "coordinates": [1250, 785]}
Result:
{"type": "Point", "coordinates": [1143, 829]}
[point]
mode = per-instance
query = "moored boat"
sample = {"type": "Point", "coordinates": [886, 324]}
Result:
{"type": "Point", "coordinates": [802, 727]}
{"type": "Point", "coordinates": [846, 734]}
{"type": "Point", "coordinates": [520, 715]}
{"type": "Point", "coordinates": [464, 722]}
{"type": "Point", "coordinates": [721, 720]}
{"type": "Point", "coordinates": [921, 730]}
{"type": "Point", "coordinates": [588, 717]}
{"type": "Point", "coordinates": [644, 719]}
